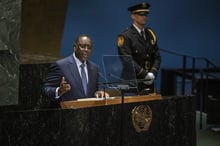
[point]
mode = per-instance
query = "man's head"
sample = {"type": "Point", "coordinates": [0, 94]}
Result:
{"type": "Point", "coordinates": [139, 13]}
{"type": "Point", "coordinates": [83, 47]}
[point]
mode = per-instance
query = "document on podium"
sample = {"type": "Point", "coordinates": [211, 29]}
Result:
{"type": "Point", "coordinates": [119, 72]}
{"type": "Point", "coordinates": [95, 99]}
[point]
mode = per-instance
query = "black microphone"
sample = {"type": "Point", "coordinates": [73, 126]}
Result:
{"type": "Point", "coordinates": [114, 76]}
{"type": "Point", "coordinates": [129, 82]}
{"type": "Point", "coordinates": [102, 76]}
{"type": "Point", "coordinates": [106, 81]}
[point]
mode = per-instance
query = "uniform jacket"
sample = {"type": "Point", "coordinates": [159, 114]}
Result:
{"type": "Point", "coordinates": [145, 53]}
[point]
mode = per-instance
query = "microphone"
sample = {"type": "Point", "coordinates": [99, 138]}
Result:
{"type": "Point", "coordinates": [102, 76]}
{"type": "Point", "coordinates": [105, 81]}
{"type": "Point", "coordinates": [115, 77]}
{"type": "Point", "coordinates": [129, 82]}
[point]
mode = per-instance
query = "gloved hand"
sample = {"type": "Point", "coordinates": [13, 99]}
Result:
{"type": "Point", "coordinates": [151, 78]}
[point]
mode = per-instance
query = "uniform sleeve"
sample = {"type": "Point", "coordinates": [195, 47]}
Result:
{"type": "Point", "coordinates": [156, 58]}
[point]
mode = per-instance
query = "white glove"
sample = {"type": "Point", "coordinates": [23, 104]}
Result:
{"type": "Point", "coordinates": [151, 78]}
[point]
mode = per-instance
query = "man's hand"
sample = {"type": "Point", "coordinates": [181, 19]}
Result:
{"type": "Point", "coordinates": [64, 87]}
{"type": "Point", "coordinates": [151, 78]}
{"type": "Point", "coordinates": [101, 94]}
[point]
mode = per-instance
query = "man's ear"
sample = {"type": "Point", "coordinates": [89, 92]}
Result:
{"type": "Point", "coordinates": [132, 16]}
{"type": "Point", "coordinates": [74, 46]}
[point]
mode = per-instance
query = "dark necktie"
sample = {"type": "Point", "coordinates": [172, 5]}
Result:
{"type": "Point", "coordinates": [83, 77]}
{"type": "Point", "coordinates": [142, 34]}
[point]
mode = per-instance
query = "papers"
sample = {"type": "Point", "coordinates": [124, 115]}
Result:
{"type": "Point", "coordinates": [95, 99]}
{"type": "Point", "coordinates": [216, 129]}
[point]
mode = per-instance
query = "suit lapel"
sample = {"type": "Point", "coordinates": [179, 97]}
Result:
{"type": "Point", "coordinates": [137, 35]}
{"type": "Point", "coordinates": [75, 74]}
{"type": "Point", "coordinates": [144, 43]}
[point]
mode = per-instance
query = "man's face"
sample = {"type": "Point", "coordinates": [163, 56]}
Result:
{"type": "Point", "coordinates": [140, 19]}
{"type": "Point", "coordinates": [83, 48]}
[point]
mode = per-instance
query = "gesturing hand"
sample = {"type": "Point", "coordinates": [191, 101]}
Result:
{"type": "Point", "coordinates": [64, 87]}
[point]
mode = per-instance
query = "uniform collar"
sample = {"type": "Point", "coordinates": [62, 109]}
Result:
{"type": "Point", "coordinates": [139, 31]}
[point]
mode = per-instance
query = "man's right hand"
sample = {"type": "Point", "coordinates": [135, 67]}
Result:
{"type": "Point", "coordinates": [64, 87]}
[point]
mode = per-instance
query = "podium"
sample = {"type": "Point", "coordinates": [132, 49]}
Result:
{"type": "Point", "coordinates": [97, 122]}
{"type": "Point", "coordinates": [92, 102]}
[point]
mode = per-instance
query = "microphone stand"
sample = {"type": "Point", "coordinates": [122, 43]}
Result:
{"type": "Point", "coordinates": [122, 88]}
{"type": "Point", "coordinates": [100, 74]}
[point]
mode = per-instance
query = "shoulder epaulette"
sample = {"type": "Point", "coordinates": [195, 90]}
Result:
{"type": "Point", "coordinates": [153, 36]}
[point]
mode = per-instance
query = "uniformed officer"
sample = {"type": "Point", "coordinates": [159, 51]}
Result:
{"type": "Point", "coordinates": [141, 44]}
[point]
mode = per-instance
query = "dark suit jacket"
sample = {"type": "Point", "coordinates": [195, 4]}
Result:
{"type": "Point", "coordinates": [67, 68]}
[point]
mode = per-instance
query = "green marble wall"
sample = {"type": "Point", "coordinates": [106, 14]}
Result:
{"type": "Point", "coordinates": [30, 33]}
{"type": "Point", "coordinates": [10, 20]}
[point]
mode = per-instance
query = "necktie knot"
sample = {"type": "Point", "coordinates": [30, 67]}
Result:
{"type": "Point", "coordinates": [82, 65]}
{"type": "Point", "coordinates": [142, 34]}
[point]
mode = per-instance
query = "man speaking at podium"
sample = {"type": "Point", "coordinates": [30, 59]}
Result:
{"type": "Point", "coordinates": [141, 44]}
{"type": "Point", "coordinates": [73, 77]}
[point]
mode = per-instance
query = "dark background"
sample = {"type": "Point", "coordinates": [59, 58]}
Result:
{"type": "Point", "coordinates": [189, 27]}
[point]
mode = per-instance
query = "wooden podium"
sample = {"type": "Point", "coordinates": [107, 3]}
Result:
{"type": "Point", "coordinates": [92, 102]}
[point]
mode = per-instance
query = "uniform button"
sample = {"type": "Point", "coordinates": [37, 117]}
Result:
{"type": "Point", "coordinates": [147, 56]}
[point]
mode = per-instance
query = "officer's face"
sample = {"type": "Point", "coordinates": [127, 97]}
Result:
{"type": "Point", "coordinates": [83, 48]}
{"type": "Point", "coordinates": [140, 19]}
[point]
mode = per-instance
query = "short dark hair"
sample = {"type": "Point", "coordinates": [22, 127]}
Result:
{"type": "Point", "coordinates": [82, 35]}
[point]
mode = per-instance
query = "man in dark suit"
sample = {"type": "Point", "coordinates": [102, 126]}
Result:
{"type": "Point", "coordinates": [141, 44]}
{"type": "Point", "coordinates": [75, 76]}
